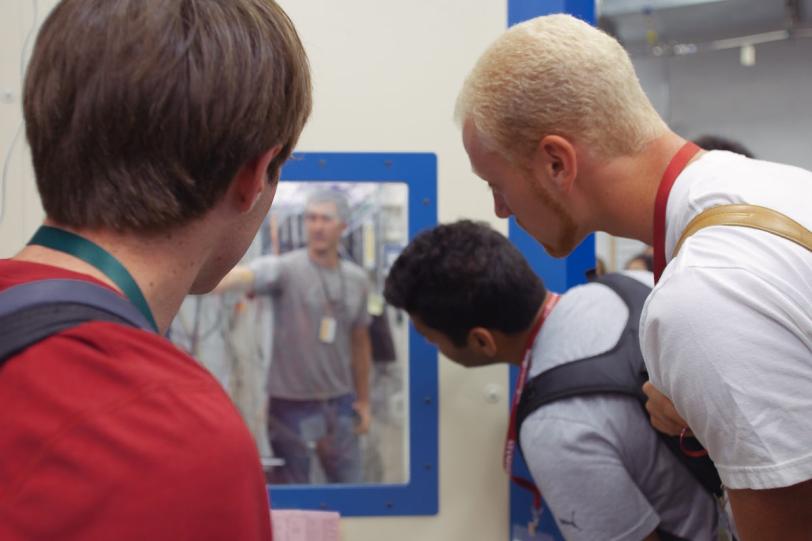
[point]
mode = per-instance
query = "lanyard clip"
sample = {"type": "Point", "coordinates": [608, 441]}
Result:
{"type": "Point", "coordinates": [535, 518]}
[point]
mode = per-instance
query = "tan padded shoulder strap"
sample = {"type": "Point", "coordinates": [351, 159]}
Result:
{"type": "Point", "coordinates": [749, 216]}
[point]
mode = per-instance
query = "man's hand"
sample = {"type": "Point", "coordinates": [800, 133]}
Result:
{"type": "Point", "coordinates": [364, 416]}
{"type": "Point", "coordinates": [664, 416]}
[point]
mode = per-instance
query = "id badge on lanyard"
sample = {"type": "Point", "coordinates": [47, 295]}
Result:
{"type": "Point", "coordinates": [328, 325]}
{"type": "Point", "coordinates": [531, 533]}
{"type": "Point", "coordinates": [327, 330]}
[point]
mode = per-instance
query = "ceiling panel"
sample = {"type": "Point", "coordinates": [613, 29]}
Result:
{"type": "Point", "coordinates": [680, 21]}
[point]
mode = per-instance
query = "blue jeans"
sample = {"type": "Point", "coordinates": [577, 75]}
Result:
{"type": "Point", "coordinates": [325, 429]}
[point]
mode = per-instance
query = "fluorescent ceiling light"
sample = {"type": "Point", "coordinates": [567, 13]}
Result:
{"type": "Point", "coordinates": [612, 8]}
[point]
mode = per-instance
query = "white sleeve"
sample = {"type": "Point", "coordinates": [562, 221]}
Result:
{"type": "Point", "coordinates": [734, 354]}
{"type": "Point", "coordinates": [583, 480]}
{"type": "Point", "coordinates": [268, 273]}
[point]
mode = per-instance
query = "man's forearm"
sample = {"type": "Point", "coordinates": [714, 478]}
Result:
{"type": "Point", "coordinates": [361, 363]}
{"type": "Point", "coordinates": [240, 278]}
{"type": "Point", "coordinates": [779, 513]}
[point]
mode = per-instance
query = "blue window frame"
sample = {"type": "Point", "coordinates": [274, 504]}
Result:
{"type": "Point", "coordinates": [418, 496]}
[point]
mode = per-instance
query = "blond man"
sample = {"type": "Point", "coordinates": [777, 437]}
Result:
{"type": "Point", "coordinates": [555, 121]}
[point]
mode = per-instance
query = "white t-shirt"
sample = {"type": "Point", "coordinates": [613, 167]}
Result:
{"type": "Point", "coordinates": [727, 333]}
{"type": "Point", "coordinates": [600, 466]}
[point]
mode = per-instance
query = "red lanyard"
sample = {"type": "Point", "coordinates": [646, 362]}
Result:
{"type": "Point", "coordinates": [511, 437]}
{"type": "Point", "coordinates": [675, 167]}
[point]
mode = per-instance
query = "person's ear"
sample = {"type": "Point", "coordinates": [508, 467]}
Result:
{"type": "Point", "coordinates": [481, 340]}
{"type": "Point", "coordinates": [251, 179]}
{"type": "Point", "coordinates": [556, 157]}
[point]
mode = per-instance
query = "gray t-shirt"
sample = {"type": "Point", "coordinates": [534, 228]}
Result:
{"type": "Point", "coordinates": [303, 367]}
{"type": "Point", "coordinates": [602, 470]}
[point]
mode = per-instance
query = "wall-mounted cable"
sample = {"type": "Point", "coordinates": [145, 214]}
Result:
{"type": "Point", "coordinates": [19, 129]}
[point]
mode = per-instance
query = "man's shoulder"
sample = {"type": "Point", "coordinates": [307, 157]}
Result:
{"type": "Point", "coordinates": [299, 254]}
{"type": "Point", "coordinates": [594, 301]}
{"type": "Point", "coordinates": [101, 362]}
{"type": "Point", "coordinates": [293, 257]}
{"type": "Point", "coordinates": [725, 178]}
{"type": "Point", "coordinates": [296, 260]}
{"type": "Point", "coordinates": [353, 270]}
{"type": "Point", "coordinates": [14, 272]}
{"type": "Point", "coordinates": [103, 376]}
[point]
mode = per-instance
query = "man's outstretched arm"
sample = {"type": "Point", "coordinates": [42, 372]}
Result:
{"type": "Point", "coordinates": [240, 279]}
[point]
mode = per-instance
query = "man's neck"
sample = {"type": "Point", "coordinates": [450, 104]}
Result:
{"type": "Point", "coordinates": [515, 345]}
{"type": "Point", "coordinates": [327, 259]}
{"type": "Point", "coordinates": [625, 189]}
{"type": "Point", "coordinates": [164, 266]}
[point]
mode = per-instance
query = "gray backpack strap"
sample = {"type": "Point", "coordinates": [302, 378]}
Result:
{"type": "Point", "coordinates": [33, 311]}
{"type": "Point", "coordinates": [619, 370]}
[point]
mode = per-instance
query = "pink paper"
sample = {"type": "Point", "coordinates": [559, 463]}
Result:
{"type": "Point", "coordinates": [294, 525]}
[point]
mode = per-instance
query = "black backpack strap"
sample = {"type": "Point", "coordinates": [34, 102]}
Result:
{"type": "Point", "coordinates": [632, 292]}
{"type": "Point", "coordinates": [620, 370]}
{"type": "Point", "coordinates": [629, 289]}
{"type": "Point", "coordinates": [33, 311]}
{"type": "Point", "coordinates": [665, 536]}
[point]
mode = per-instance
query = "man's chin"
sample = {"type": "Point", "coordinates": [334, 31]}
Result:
{"type": "Point", "coordinates": [202, 288]}
{"type": "Point", "coordinates": [556, 251]}
{"type": "Point", "coordinates": [565, 245]}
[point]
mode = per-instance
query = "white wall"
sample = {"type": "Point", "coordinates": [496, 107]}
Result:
{"type": "Point", "coordinates": [765, 106]}
{"type": "Point", "coordinates": [20, 210]}
{"type": "Point", "coordinates": [386, 75]}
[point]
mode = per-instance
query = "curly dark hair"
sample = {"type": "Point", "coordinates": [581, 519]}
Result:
{"type": "Point", "coordinates": [458, 276]}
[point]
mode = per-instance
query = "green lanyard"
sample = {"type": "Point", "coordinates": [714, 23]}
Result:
{"type": "Point", "coordinates": [93, 254]}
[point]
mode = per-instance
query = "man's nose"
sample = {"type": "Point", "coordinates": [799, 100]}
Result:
{"type": "Point", "coordinates": [500, 208]}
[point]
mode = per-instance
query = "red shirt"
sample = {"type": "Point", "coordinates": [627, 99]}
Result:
{"type": "Point", "coordinates": [111, 433]}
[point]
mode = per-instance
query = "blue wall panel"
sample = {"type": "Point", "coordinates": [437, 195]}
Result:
{"type": "Point", "coordinates": [521, 10]}
{"type": "Point", "coordinates": [558, 274]}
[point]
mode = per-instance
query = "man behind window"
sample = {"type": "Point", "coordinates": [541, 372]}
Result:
{"type": "Point", "coordinates": [318, 383]}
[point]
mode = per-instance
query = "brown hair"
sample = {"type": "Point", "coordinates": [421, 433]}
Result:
{"type": "Point", "coordinates": [140, 113]}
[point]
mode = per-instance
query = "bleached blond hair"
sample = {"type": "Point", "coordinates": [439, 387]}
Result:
{"type": "Point", "coordinates": [557, 75]}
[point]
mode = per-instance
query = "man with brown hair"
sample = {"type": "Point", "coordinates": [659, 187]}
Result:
{"type": "Point", "coordinates": [157, 132]}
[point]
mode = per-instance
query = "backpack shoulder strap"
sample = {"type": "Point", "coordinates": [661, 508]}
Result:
{"type": "Point", "coordinates": [33, 311]}
{"type": "Point", "coordinates": [619, 370]}
{"type": "Point", "coordinates": [632, 292]}
{"type": "Point", "coordinates": [752, 216]}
